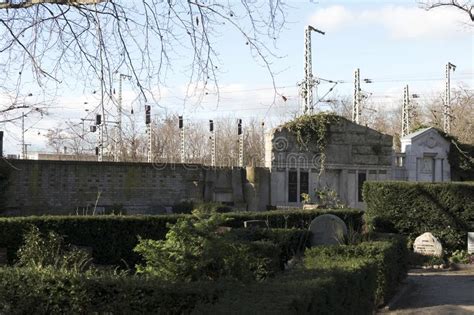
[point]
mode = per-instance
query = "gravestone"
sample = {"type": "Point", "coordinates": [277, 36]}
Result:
{"type": "Point", "coordinates": [3, 256]}
{"type": "Point", "coordinates": [327, 229]}
{"type": "Point", "coordinates": [470, 242]}
{"type": "Point", "coordinates": [428, 245]}
{"type": "Point", "coordinates": [255, 224]}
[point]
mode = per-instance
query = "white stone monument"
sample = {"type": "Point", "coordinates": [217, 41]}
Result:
{"type": "Point", "coordinates": [470, 242]}
{"type": "Point", "coordinates": [427, 244]}
{"type": "Point", "coordinates": [327, 229]}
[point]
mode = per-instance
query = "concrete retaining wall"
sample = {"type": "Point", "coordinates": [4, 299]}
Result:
{"type": "Point", "coordinates": [67, 187]}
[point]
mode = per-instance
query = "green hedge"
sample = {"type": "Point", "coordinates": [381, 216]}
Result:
{"type": "Point", "coordinates": [113, 238]}
{"type": "Point", "coordinates": [289, 241]}
{"type": "Point", "coordinates": [295, 218]}
{"type": "Point", "coordinates": [341, 280]}
{"type": "Point", "coordinates": [411, 209]}
{"type": "Point", "coordinates": [27, 291]}
{"type": "Point", "coordinates": [390, 256]}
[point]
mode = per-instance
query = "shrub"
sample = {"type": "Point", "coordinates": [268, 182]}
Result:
{"type": "Point", "coordinates": [195, 250]}
{"type": "Point", "coordinates": [28, 291]}
{"type": "Point", "coordinates": [188, 206]}
{"type": "Point", "coordinates": [112, 238]}
{"type": "Point", "coordinates": [49, 251]}
{"type": "Point", "coordinates": [344, 280]}
{"type": "Point", "coordinates": [343, 287]}
{"type": "Point", "coordinates": [295, 218]}
{"type": "Point", "coordinates": [390, 257]}
{"type": "Point", "coordinates": [411, 209]}
{"type": "Point", "coordinates": [290, 242]}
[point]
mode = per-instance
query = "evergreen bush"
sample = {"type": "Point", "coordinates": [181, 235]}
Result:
{"type": "Point", "coordinates": [444, 209]}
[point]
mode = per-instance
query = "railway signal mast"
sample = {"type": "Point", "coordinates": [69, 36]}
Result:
{"type": "Point", "coordinates": [213, 143]}
{"type": "Point", "coordinates": [447, 101]}
{"type": "Point", "coordinates": [309, 82]}
{"type": "Point", "coordinates": [149, 132]}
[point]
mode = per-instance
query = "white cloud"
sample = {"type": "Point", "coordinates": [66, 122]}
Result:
{"type": "Point", "coordinates": [401, 22]}
{"type": "Point", "coordinates": [332, 18]}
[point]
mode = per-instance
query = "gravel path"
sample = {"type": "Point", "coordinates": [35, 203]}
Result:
{"type": "Point", "coordinates": [441, 292]}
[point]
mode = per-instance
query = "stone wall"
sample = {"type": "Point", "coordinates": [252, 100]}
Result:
{"type": "Point", "coordinates": [67, 187]}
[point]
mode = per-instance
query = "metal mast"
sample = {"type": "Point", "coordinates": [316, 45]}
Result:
{"type": "Point", "coordinates": [23, 146]}
{"type": "Point", "coordinates": [309, 82]}
{"type": "Point", "coordinates": [406, 112]}
{"type": "Point", "coordinates": [100, 145]}
{"type": "Point", "coordinates": [149, 133]}
{"type": "Point", "coordinates": [213, 143]}
{"type": "Point", "coordinates": [119, 147]}
{"type": "Point", "coordinates": [447, 100]}
{"type": "Point", "coordinates": [241, 142]}
{"type": "Point", "coordinates": [183, 149]}
{"type": "Point", "coordinates": [356, 106]}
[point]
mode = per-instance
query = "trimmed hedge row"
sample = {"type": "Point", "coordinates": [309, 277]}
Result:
{"type": "Point", "coordinates": [28, 291]}
{"type": "Point", "coordinates": [289, 241]}
{"type": "Point", "coordinates": [334, 283]}
{"type": "Point", "coordinates": [113, 238]}
{"type": "Point", "coordinates": [295, 218]}
{"type": "Point", "coordinates": [411, 209]}
{"type": "Point", "coordinates": [390, 256]}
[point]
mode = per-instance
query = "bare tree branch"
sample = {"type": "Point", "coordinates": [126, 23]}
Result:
{"type": "Point", "coordinates": [466, 6]}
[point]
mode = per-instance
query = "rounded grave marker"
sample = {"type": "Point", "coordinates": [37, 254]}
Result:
{"type": "Point", "coordinates": [327, 229]}
{"type": "Point", "coordinates": [427, 244]}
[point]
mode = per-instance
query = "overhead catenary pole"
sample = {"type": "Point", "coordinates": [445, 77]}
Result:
{"type": "Point", "coordinates": [406, 112]}
{"type": "Point", "coordinates": [119, 147]}
{"type": "Point", "coordinates": [213, 143]}
{"type": "Point", "coordinates": [23, 146]}
{"type": "Point", "coordinates": [100, 141]}
{"type": "Point", "coordinates": [356, 106]}
{"type": "Point", "coordinates": [241, 142]}
{"type": "Point", "coordinates": [309, 82]}
{"type": "Point", "coordinates": [183, 149]}
{"type": "Point", "coordinates": [447, 99]}
{"type": "Point", "coordinates": [1, 143]}
{"type": "Point", "coordinates": [149, 133]}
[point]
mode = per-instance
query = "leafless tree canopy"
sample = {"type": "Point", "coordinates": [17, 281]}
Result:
{"type": "Point", "coordinates": [53, 41]}
{"type": "Point", "coordinates": [464, 5]}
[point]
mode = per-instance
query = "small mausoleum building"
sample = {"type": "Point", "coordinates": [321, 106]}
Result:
{"type": "Point", "coordinates": [340, 157]}
{"type": "Point", "coordinates": [423, 157]}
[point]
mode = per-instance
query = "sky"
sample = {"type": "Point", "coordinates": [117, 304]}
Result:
{"type": "Point", "coordinates": [393, 43]}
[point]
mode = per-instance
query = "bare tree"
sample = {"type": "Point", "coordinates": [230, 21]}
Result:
{"type": "Point", "coordinates": [94, 40]}
{"type": "Point", "coordinates": [462, 113]}
{"type": "Point", "coordinates": [466, 6]}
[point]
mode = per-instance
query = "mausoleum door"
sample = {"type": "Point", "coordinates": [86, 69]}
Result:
{"type": "Point", "coordinates": [425, 169]}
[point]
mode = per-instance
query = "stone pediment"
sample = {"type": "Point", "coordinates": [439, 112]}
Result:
{"type": "Point", "coordinates": [428, 138]}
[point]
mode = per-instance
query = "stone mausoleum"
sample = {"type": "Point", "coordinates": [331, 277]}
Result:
{"type": "Point", "coordinates": [423, 157]}
{"type": "Point", "coordinates": [353, 154]}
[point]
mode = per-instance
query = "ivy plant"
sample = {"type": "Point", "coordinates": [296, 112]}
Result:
{"type": "Point", "coordinates": [313, 130]}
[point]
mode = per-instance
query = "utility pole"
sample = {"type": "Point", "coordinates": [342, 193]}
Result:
{"type": "Point", "coordinates": [309, 82]}
{"type": "Point", "coordinates": [447, 100]}
{"type": "Point", "coordinates": [119, 148]}
{"type": "Point", "coordinates": [241, 142]}
{"type": "Point", "coordinates": [406, 112]}
{"type": "Point", "coordinates": [149, 130]}
{"type": "Point", "coordinates": [183, 149]}
{"type": "Point", "coordinates": [1, 143]}
{"type": "Point", "coordinates": [213, 143]}
{"type": "Point", "coordinates": [356, 106]}
{"type": "Point", "coordinates": [23, 146]}
{"type": "Point", "coordinates": [100, 142]}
